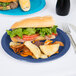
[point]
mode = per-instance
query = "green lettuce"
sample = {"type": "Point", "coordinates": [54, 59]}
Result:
{"type": "Point", "coordinates": [54, 29]}
{"type": "Point", "coordinates": [44, 31]}
{"type": "Point", "coordinates": [31, 31]}
{"type": "Point", "coordinates": [15, 32]}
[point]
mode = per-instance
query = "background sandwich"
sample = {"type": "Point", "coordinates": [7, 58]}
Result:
{"type": "Point", "coordinates": [36, 28]}
{"type": "Point", "coordinates": [8, 4]}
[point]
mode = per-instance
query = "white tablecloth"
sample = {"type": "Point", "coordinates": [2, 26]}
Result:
{"type": "Point", "coordinates": [64, 66]}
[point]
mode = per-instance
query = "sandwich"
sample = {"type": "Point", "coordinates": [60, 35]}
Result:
{"type": "Point", "coordinates": [33, 29]}
{"type": "Point", "coordinates": [8, 4]}
{"type": "Point", "coordinates": [27, 35]}
{"type": "Point", "coordinates": [25, 5]}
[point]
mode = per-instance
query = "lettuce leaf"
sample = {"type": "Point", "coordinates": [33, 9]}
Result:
{"type": "Point", "coordinates": [8, 32]}
{"type": "Point", "coordinates": [19, 32]}
{"type": "Point", "coordinates": [54, 29]}
{"type": "Point", "coordinates": [45, 31]}
{"type": "Point", "coordinates": [30, 31]}
{"type": "Point", "coordinates": [15, 32]}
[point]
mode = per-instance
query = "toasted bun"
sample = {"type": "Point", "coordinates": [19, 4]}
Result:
{"type": "Point", "coordinates": [8, 0]}
{"type": "Point", "coordinates": [14, 39]}
{"type": "Point", "coordinates": [36, 22]}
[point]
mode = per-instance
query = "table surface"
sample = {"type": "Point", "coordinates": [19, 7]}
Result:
{"type": "Point", "coordinates": [64, 66]}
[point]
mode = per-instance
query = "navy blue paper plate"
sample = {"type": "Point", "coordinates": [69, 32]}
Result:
{"type": "Point", "coordinates": [36, 5]}
{"type": "Point", "coordinates": [62, 50]}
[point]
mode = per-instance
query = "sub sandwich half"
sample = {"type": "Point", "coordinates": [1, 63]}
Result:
{"type": "Point", "coordinates": [36, 28]}
{"type": "Point", "coordinates": [8, 4]}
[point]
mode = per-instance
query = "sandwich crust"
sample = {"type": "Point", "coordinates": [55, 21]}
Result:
{"type": "Point", "coordinates": [35, 22]}
{"type": "Point", "coordinates": [8, 0]}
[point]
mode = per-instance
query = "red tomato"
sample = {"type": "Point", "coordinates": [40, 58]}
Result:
{"type": "Point", "coordinates": [31, 37]}
{"type": "Point", "coordinates": [52, 34]}
{"type": "Point", "coordinates": [55, 34]}
{"type": "Point", "coordinates": [49, 36]}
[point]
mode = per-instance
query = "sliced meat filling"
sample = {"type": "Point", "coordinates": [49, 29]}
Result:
{"type": "Point", "coordinates": [33, 38]}
{"type": "Point", "coordinates": [13, 5]}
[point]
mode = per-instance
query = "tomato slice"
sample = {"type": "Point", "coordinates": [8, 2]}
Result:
{"type": "Point", "coordinates": [55, 34]}
{"type": "Point", "coordinates": [31, 37]}
{"type": "Point", "coordinates": [52, 34]}
{"type": "Point", "coordinates": [49, 36]}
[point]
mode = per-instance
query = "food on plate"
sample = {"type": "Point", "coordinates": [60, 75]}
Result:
{"type": "Point", "coordinates": [25, 5]}
{"type": "Point", "coordinates": [34, 49]}
{"type": "Point", "coordinates": [38, 43]}
{"type": "Point", "coordinates": [12, 4]}
{"type": "Point", "coordinates": [48, 42]}
{"type": "Point", "coordinates": [14, 43]}
{"type": "Point", "coordinates": [26, 53]}
{"type": "Point", "coordinates": [28, 48]}
{"type": "Point", "coordinates": [49, 49]}
{"type": "Point", "coordinates": [36, 28]}
{"type": "Point", "coordinates": [8, 4]}
{"type": "Point", "coordinates": [20, 49]}
{"type": "Point", "coordinates": [43, 56]}
{"type": "Point", "coordinates": [27, 37]}
{"type": "Point", "coordinates": [59, 42]}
